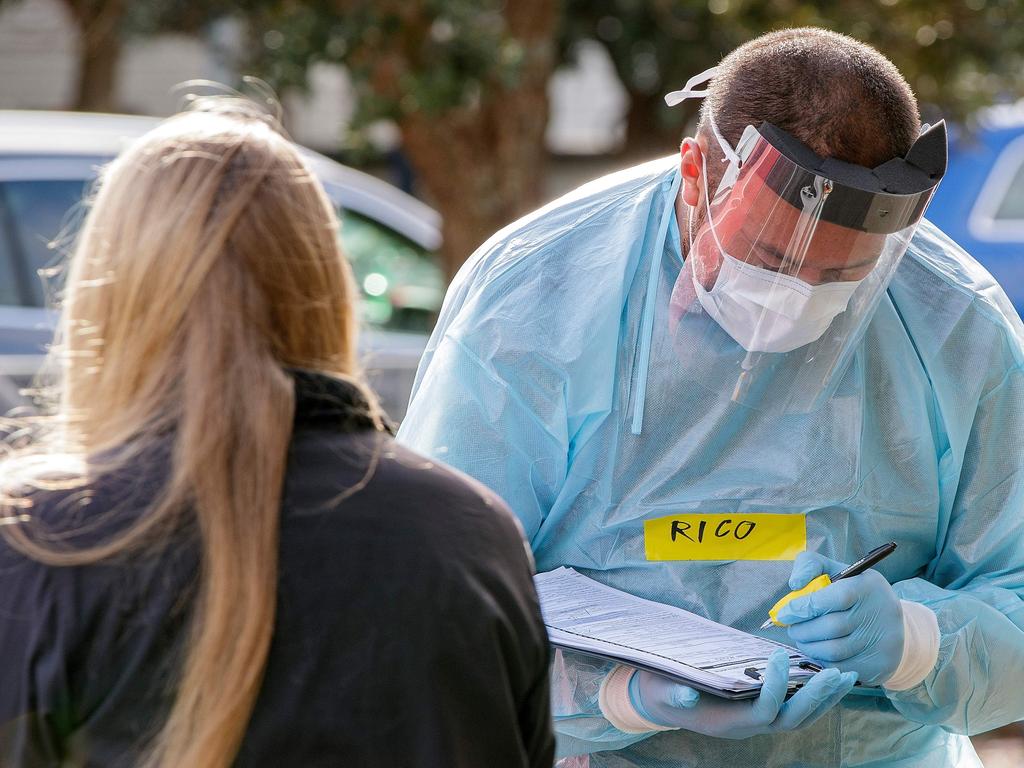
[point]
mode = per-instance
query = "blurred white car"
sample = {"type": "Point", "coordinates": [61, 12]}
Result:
{"type": "Point", "coordinates": [49, 159]}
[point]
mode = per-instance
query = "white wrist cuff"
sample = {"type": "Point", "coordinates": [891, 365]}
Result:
{"type": "Point", "coordinates": [613, 698]}
{"type": "Point", "coordinates": [920, 647]}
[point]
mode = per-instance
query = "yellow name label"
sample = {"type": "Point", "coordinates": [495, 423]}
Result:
{"type": "Point", "coordinates": [699, 536]}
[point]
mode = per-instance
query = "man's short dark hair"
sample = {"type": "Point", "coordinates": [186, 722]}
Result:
{"type": "Point", "coordinates": [839, 96]}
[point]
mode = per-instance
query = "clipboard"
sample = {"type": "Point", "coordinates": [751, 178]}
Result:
{"type": "Point", "coordinates": [585, 616]}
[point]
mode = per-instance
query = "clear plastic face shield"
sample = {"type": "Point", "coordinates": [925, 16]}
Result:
{"type": "Point", "coordinates": [787, 261]}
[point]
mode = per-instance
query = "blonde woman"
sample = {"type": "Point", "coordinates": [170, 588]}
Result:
{"type": "Point", "coordinates": [216, 555]}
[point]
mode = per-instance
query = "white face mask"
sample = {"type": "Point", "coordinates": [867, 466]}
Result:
{"type": "Point", "coordinates": [765, 311]}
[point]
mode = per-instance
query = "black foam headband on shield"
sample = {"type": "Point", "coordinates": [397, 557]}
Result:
{"type": "Point", "coordinates": [880, 200]}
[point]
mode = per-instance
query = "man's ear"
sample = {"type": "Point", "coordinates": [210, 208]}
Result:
{"type": "Point", "coordinates": [691, 168]}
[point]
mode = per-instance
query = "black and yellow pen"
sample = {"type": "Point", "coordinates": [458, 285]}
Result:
{"type": "Point", "coordinates": [820, 582]}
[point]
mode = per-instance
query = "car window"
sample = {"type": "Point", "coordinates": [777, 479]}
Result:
{"type": "Point", "coordinates": [1012, 206]}
{"type": "Point", "coordinates": [402, 287]}
{"type": "Point", "coordinates": [38, 213]}
{"type": "Point", "coordinates": [998, 211]}
{"type": "Point", "coordinates": [10, 279]}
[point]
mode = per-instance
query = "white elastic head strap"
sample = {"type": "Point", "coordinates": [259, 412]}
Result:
{"type": "Point", "coordinates": [690, 91]}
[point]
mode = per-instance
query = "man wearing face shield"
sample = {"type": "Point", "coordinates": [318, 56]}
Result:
{"type": "Point", "coordinates": [791, 254]}
{"type": "Point", "coordinates": [762, 334]}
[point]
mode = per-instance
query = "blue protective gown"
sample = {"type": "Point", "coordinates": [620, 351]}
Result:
{"type": "Point", "coordinates": [552, 378]}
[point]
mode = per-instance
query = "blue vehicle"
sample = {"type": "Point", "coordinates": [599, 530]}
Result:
{"type": "Point", "coordinates": [980, 202]}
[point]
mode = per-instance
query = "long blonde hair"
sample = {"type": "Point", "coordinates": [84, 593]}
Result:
{"type": "Point", "coordinates": [208, 264]}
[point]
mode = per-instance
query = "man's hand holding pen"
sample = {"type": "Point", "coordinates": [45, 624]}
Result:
{"type": "Point", "coordinates": [855, 624]}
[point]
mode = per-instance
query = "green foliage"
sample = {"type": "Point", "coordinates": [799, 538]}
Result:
{"type": "Point", "coordinates": [420, 56]}
{"type": "Point", "coordinates": [432, 56]}
{"type": "Point", "coordinates": [958, 55]}
{"type": "Point", "coordinates": [437, 55]}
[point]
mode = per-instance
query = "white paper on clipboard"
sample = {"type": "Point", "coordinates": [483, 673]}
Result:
{"type": "Point", "coordinates": [584, 615]}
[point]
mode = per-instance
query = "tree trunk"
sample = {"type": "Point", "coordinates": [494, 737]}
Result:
{"type": "Point", "coordinates": [644, 135]}
{"type": "Point", "coordinates": [99, 26]}
{"type": "Point", "coordinates": [483, 165]}
{"type": "Point", "coordinates": [483, 168]}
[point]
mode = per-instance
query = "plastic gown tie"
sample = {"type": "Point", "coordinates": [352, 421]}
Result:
{"type": "Point", "coordinates": [668, 217]}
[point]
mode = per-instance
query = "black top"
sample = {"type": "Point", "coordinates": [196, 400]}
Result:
{"type": "Point", "coordinates": [407, 632]}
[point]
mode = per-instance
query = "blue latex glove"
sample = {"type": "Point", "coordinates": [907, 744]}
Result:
{"type": "Point", "coordinates": [663, 702]}
{"type": "Point", "coordinates": [855, 624]}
